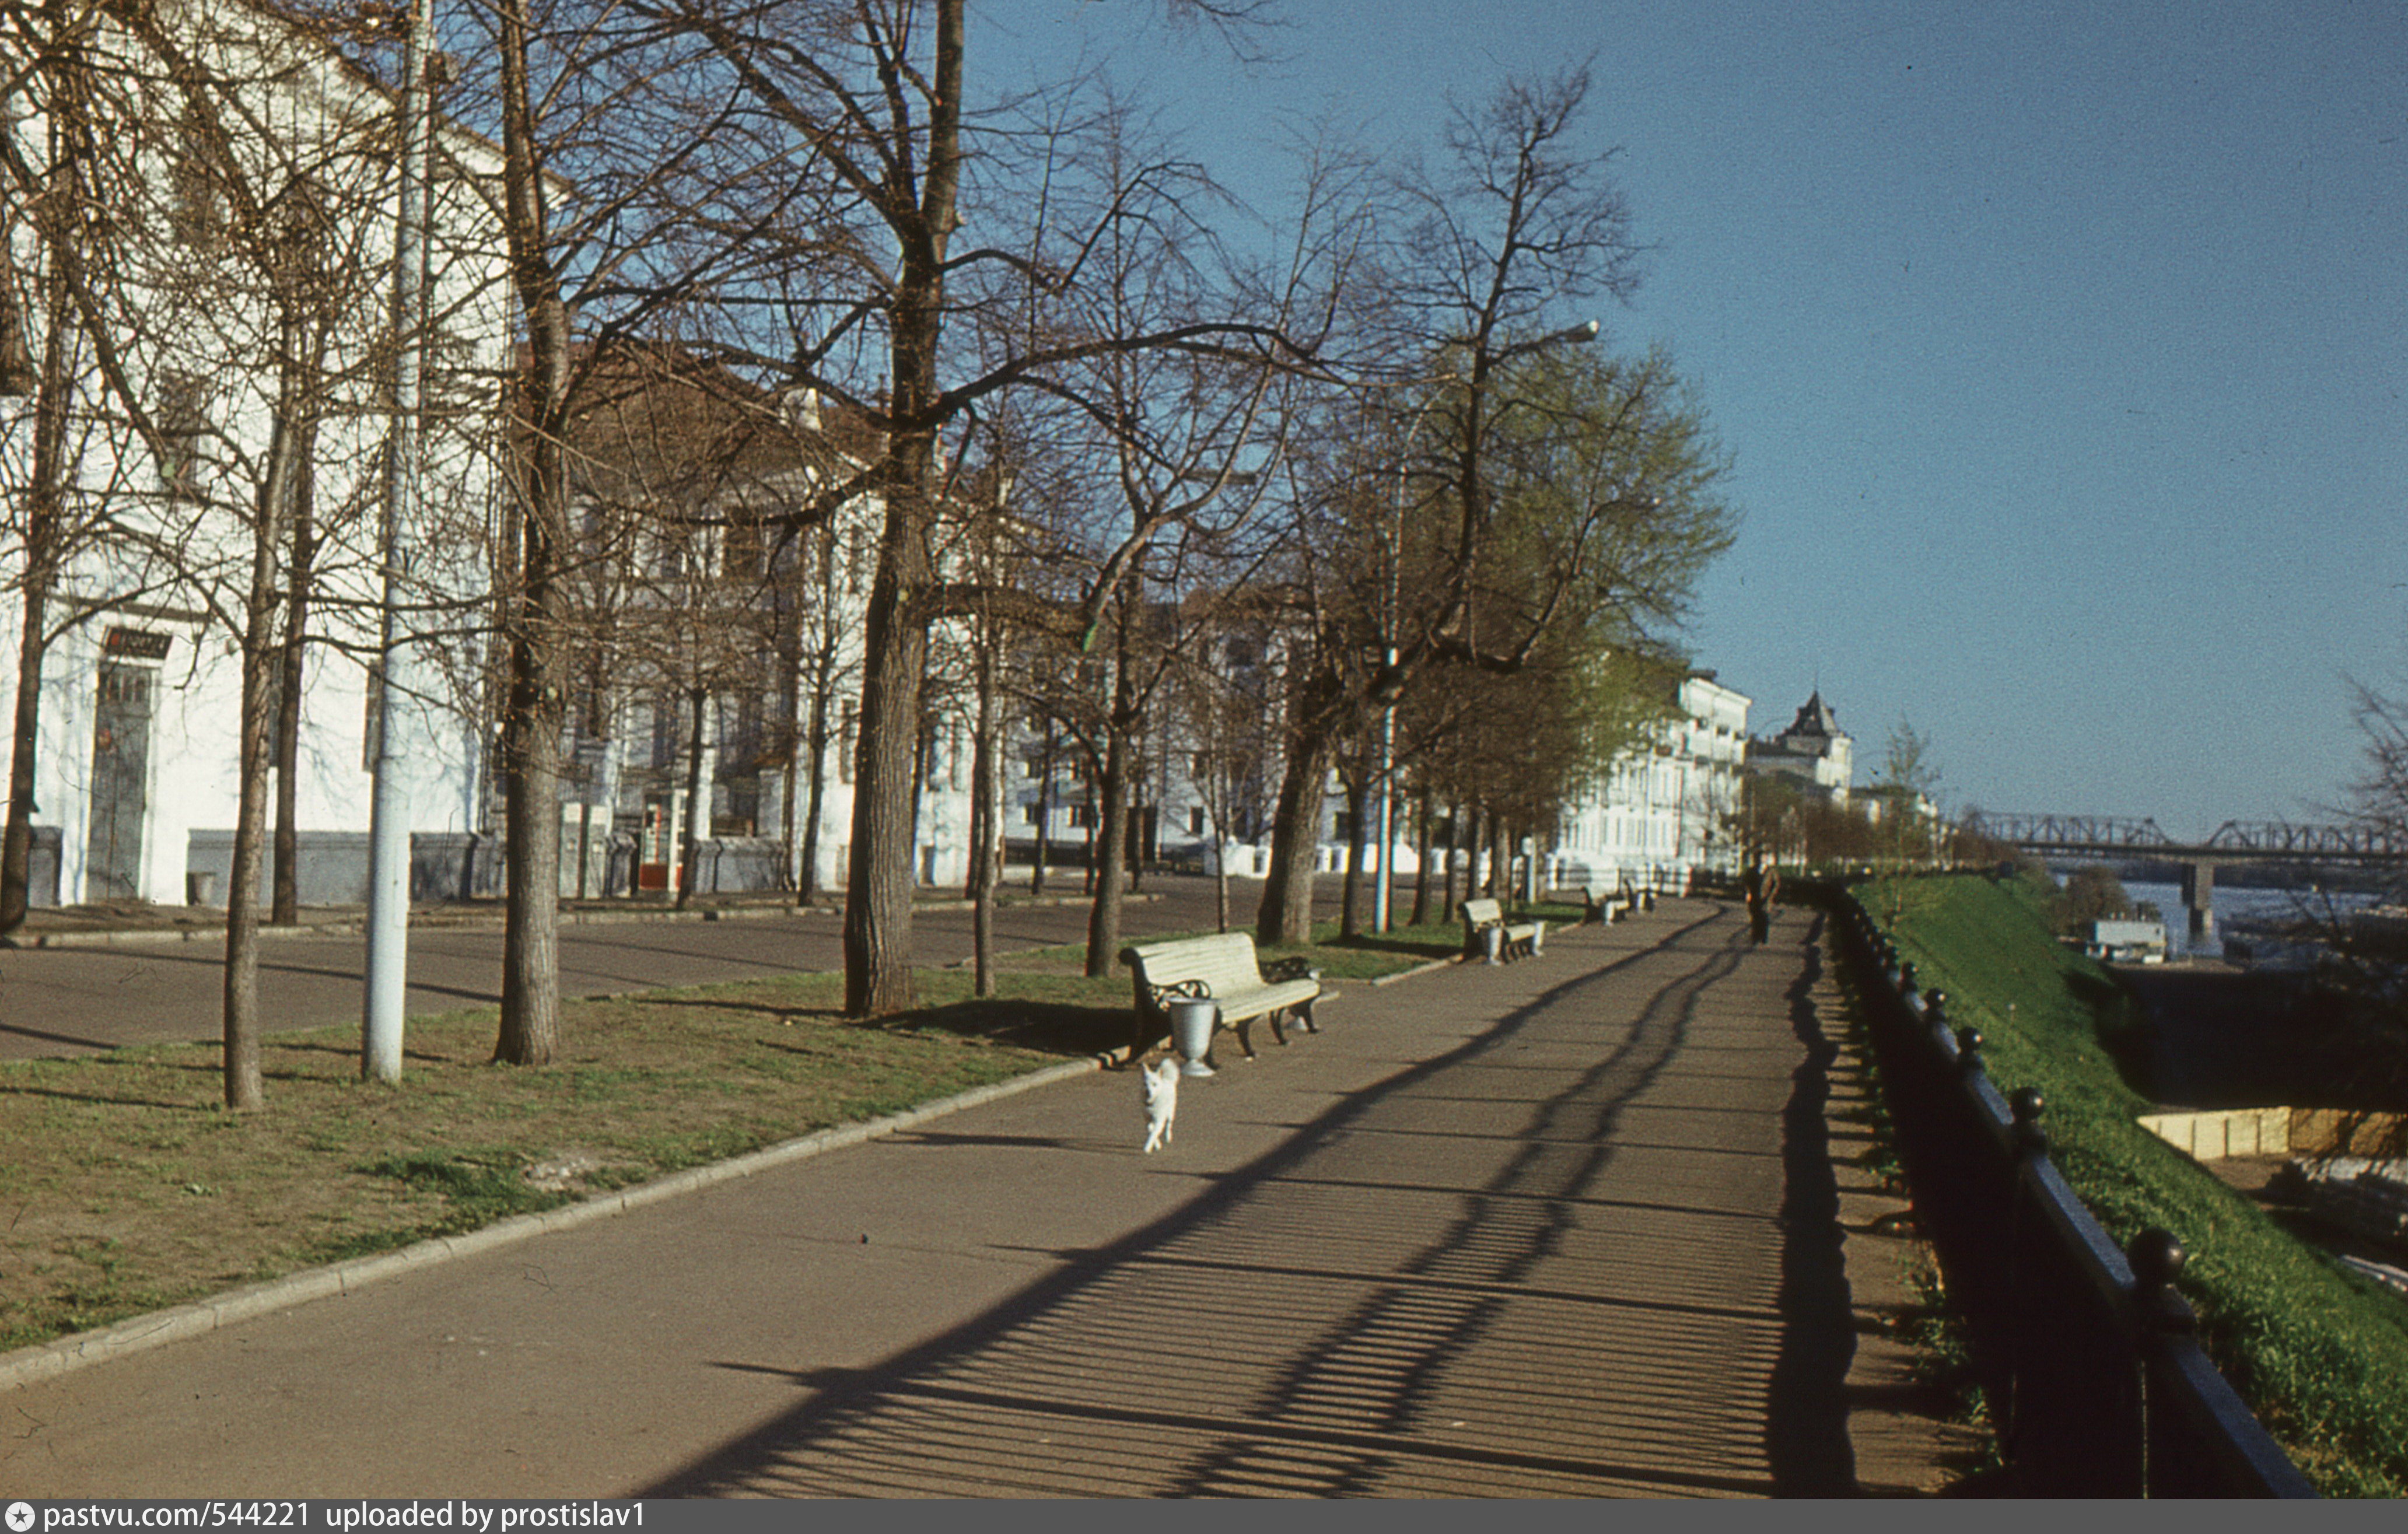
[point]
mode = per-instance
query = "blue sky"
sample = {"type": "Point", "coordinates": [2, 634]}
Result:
{"type": "Point", "coordinates": [2059, 349]}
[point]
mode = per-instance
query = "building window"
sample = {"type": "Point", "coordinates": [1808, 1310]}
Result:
{"type": "Point", "coordinates": [858, 567]}
{"type": "Point", "coordinates": [194, 213]}
{"type": "Point", "coordinates": [1195, 820]}
{"type": "Point", "coordinates": [744, 559]}
{"type": "Point", "coordinates": [182, 418]}
{"type": "Point", "coordinates": [1028, 814]}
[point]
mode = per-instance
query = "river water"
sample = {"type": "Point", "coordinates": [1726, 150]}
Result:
{"type": "Point", "coordinates": [2237, 904]}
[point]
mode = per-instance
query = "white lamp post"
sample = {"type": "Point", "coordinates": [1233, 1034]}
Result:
{"type": "Point", "coordinates": [388, 920]}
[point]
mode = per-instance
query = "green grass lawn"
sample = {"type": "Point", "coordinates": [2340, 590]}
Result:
{"type": "Point", "coordinates": [2320, 1354]}
{"type": "Point", "coordinates": [126, 1186]}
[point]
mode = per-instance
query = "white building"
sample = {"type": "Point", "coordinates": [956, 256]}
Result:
{"type": "Point", "coordinates": [236, 256]}
{"type": "Point", "coordinates": [1660, 813]}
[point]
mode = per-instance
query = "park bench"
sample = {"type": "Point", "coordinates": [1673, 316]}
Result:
{"type": "Point", "coordinates": [1515, 940]}
{"type": "Point", "coordinates": [1224, 968]}
{"type": "Point", "coordinates": [1604, 904]}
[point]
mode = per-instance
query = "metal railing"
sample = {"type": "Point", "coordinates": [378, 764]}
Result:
{"type": "Point", "coordinates": [2090, 1353]}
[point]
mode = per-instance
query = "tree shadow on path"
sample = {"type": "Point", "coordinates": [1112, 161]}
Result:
{"type": "Point", "coordinates": [1362, 1311]}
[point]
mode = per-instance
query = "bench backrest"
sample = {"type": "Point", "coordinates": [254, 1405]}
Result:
{"type": "Point", "coordinates": [1222, 960]}
{"type": "Point", "coordinates": [1479, 913]}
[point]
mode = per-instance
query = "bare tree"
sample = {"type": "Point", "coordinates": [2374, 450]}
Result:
{"type": "Point", "coordinates": [873, 98]}
{"type": "Point", "coordinates": [218, 312]}
{"type": "Point", "coordinates": [1518, 224]}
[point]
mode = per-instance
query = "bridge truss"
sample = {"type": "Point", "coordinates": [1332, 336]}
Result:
{"type": "Point", "coordinates": [2232, 841]}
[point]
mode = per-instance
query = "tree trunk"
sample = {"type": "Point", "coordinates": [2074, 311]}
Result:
{"type": "Point", "coordinates": [530, 1021]}
{"type": "Point", "coordinates": [1350, 911]}
{"type": "Point", "coordinates": [286, 910]}
{"type": "Point", "coordinates": [1044, 818]}
{"type": "Point", "coordinates": [986, 844]}
{"type": "Point", "coordinates": [530, 746]}
{"type": "Point", "coordinates": [988, 841]}
{"type": "Point", "coordinates": [1220, 876]}
{"type": "Point", "coordinates": [879, 877]}
{"type": "Point", "coordinates": [1422, 862]}
{"type": "Point", "coordinates": [1467, 835]}
{"type": "Point", "coordinates": [878, 903]}
{"type": "Point", "coordinates": [261, 671]}
{"type": "Point", "coordinates": [807, 878]}
{"type": "Point", "coordinates": [1446, 880]}
{"type": "Point", "coordinates": [1106, 862]}
{"type": "Point", "coordinates": [689, 844]}
{"type": "Point", "coordinates": [790, 686]}
{"type": "Point", "coordinates": [1286, 915]}
{"type": "Point", "coordinates": [1500, 859]}
{"type": "Point", "coordinates": [44, 510]}
{"type": "Point", "coordinates": [1087, 783]}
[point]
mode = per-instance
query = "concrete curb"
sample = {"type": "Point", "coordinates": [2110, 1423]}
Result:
{"type": "Point", "coordinates": [1430, 967]}
{"type": "Point", "coordinates": [67, 1354]}
{"type": "Point", "coordinates": [480, 922]}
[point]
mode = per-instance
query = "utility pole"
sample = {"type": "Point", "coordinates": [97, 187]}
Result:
{"type": "Point", "coordinates": [388, 924]}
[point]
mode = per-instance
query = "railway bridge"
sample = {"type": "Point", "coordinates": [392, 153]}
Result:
{"type": "Point", "coordinates": [2345, 845]}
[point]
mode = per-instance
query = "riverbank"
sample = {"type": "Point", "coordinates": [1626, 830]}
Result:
{"type": "Point", "coordinates": [2320, 1354]}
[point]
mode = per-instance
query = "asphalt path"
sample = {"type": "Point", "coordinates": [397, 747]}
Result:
{"type": "Point", "coordinates": [1588, 1224]}
{"type": "Point", "coordinates": [77, 1001]}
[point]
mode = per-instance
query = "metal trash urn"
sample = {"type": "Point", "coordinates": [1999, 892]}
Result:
{"type": "Point", "coordinates": [1192, 1019]}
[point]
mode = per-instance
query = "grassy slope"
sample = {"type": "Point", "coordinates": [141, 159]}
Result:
{"type": "Point", "coordinates": [2320, 1354]}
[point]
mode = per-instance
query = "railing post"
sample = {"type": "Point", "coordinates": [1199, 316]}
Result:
{"type": "Point", "coordinates": [2027, 1104]}
{"type": "Point", "coordinates": [2158, 1312]}
{"type": "Point", "coordinates": [2025, 1308]}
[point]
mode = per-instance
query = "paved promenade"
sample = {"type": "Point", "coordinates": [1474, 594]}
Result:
{"type": "Point", "coordinates": [1570, 1227]}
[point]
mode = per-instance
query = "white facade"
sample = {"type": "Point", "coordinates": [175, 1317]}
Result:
{"type": "Point", "coordinates": [168, 450]}
{"type": "Point", "coordinates": [1660, 813]}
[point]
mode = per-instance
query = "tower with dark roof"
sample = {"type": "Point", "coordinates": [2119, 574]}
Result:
{"type": "Point", "coordinates": [1813, 749]}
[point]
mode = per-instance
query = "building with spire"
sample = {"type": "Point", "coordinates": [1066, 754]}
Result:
{"type": "Point", "coordinates": [1813, 751]}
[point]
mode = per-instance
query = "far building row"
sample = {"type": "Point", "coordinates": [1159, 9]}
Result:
{"type": "Point", "coordinates": [721, 701]}
{"type": "Point", "coordinates": [1673, 809]}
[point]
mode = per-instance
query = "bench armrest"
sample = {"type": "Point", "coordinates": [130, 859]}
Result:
{"type": "Point", "coordinates": [1295, 967]}
{"type": "Point", "coordinates": [1161, 996]}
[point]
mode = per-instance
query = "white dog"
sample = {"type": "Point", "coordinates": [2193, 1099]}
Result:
{"type": "Point", "coordinates": [1158, 1086]}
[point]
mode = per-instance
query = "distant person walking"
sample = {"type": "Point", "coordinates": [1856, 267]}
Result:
{"type": "Point", "coordinates": [1763, 886]}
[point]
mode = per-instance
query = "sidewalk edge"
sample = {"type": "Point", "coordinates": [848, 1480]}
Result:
{"type": "Point", "coordinates": [65, 1355]}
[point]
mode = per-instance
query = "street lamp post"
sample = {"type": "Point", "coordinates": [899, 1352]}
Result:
{"type": "Point", "coordinates": [388, 917]}
{"type": "Point", "coordinates": [1383, 879]}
